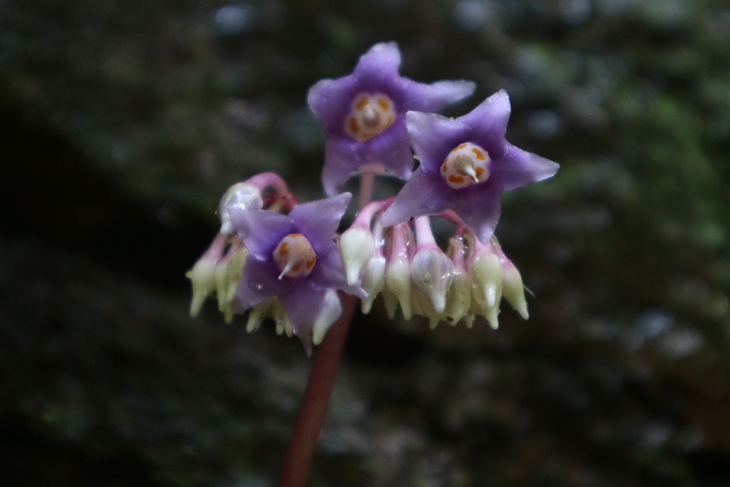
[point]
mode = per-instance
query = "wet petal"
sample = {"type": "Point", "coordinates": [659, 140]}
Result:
{"type": "Point", "coordinates": [433, 137]}
{"type": "Point", "coordinates": [479, 208]}
{"type": "Point", "coordinates": [488, 123]}
{"type": "Point", "coordinates": [424, 194]}
{"type": "Point", "coordinates": [261, 231]}
{"type": "Point", "coordinates": [379, 66]}
{"type": "Point", "coordinates": [318, 220]}
{"type": "Point", "coordinates": [303, 305]}
{"type": "Point", "coordinates": [435, 96]}
{"type": "Point", "coordinates": [260, 281]}
{"type": "Point", "coordinates": [519, 168]}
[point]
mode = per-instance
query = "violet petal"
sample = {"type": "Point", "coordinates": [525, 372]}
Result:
{"type": "Point", "coordinates": [434, 136]}
{"type": "Point", "coordinates": [479, 208]}
{"type": "Point", "coordinates": [488, 123]}
{"type": "Point", "coordinates": [329, 273]}
{"type": "Point", "coordinates": [318, 220]}
{"type": "Point", "coordinates": [435, 96]}
{"type": "Point", "coordinates": [519, 168]}
{"type": "Point", "coordinates": [260, 280]}
{"type": "Point", "coordinates": [303, 305]}
{"type": "Point", "coordinates": [261, 231]}
{"type": "Point", "coordinates": [425, 193]}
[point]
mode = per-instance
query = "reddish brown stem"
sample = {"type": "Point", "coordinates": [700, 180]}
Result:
{"type": "Point", "coordinates": [315, 400]}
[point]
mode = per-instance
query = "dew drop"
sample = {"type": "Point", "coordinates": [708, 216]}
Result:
{"type": "Point", "coordinates": [255, 285]}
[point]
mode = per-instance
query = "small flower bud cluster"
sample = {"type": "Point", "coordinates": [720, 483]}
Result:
{"type": "Point", "coordinates": [219, 270]}
{"type": "Point", "coordinates": [406, 266]}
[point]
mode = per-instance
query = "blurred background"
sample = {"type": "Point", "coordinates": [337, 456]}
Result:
{"type": "Point", "coordinates": [123, 122]}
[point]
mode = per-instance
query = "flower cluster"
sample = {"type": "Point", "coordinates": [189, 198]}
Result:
{"type": "Point", "coordinates": [405, 264]}
{"type": "Point", "coordinates": [278, 258]}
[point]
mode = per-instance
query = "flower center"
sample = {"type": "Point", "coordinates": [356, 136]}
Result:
{"type": "Point", "coordinates": [465, 165]}
{"type": "Point", "coordinates": [371, 115]}
{"type": "Point", "coordinates": [295, 256]}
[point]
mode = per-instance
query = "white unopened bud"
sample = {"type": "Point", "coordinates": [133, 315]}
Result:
{"type": "Point", "coordinates": [257, 314]}
{"type": "Point", "coordinates": [202, 278]}
{"type": "Point", "coordinates": [485, 270]}
{"type": "Point", "coordinates": [331, 310]}
{"type": "Point", "coordinates": [242, 196]}
{"type": "Point", "coordinates": [202, 275]}
{"type": "Point", "coordinates": [228, 273]}
{"type": "Point", "coordinates": [458, 299]}
{"type": "Point", "coordinates": [398, 287]}
{"type": "Point", "coordinates": [432, 273]}
{"type": "Point", "coordinates": [513, 289]}
{"type": "Point", "coordinates": [373, 280]}
{"type": "Point", "coordinates": [357, 247]}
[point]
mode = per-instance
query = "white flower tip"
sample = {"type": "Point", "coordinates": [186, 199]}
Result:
{"type": "Point", "coordinates": [357, 247]}
{"type": "Point", "coordinates": [197, 303]}
{"type": "Point", "coordinates": [486, 273]}
{"type": "Point", "coordinates": [202, 279]}
{"type": "Point", "coordinates": [432, 272]}
{"type": "Point", "coordinates": [514, 291]}
{"type": "Point", "coordinates": [433, 322]}
{"type": "Point", "coordinates": [398, 282]}
{"type": "Point", "coordinates": [331, 310]}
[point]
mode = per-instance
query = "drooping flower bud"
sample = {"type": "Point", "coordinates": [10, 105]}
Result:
{"type": "Point", "coordinates": [243, 196]}
{"type": "Point", "coordinates": [331, 310]}
{"type": "Point", "coordinates": [512, 288]}
{"type": "Point", "coordinates": [357, 247]}
{"type": "Point", "coordinates": [202, 275]}
{"type": "Point", "coordinates": [485, 270]}
{"type": "Point", "coordinates": [228, 273]}
{"type": "Point", "coordinates": [397, 274]}
{"type": "Point", "coordinates": [373, 274]}
{"type": "Point", "coordinates": [459, 296]}
{"type": "Point", "coordinates": [431, 269]}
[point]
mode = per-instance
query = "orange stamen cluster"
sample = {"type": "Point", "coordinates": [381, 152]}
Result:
{"type": "Point", "coordinates": [371, 115]}
{"type": "Point", "coordinates": [295, 256]}
{"type": "Point", "coordinates": [465, 165]}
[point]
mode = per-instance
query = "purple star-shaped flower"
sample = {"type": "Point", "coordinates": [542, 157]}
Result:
{"type": "Point", "coordinates": [293, 257]}
{"type": "Point", "coordinates": [363, 114]}
{"type": "Point", "coordinates": [465, 165]}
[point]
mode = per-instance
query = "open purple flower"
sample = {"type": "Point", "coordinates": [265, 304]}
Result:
{"type": "Point", "coordinates": [294, 257]}
{"type": "Point", "coordinates": [465, 165]}
{"type": "Point", "coordinates": [363, 114]}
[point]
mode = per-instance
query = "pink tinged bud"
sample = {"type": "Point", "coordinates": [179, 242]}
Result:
{"type": "Point", "coordinates": [357, 247]}
{"type": "Point", "coordinates": [397, 274]}
{"type": "Point", "coordinates": [241, 196]}
{"type": "Point", "coordinates": [331, 310]}
{"type": "Point", "coordinates": [513, 289]}
{"type": "Point", "coordinates": [295, 256]}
